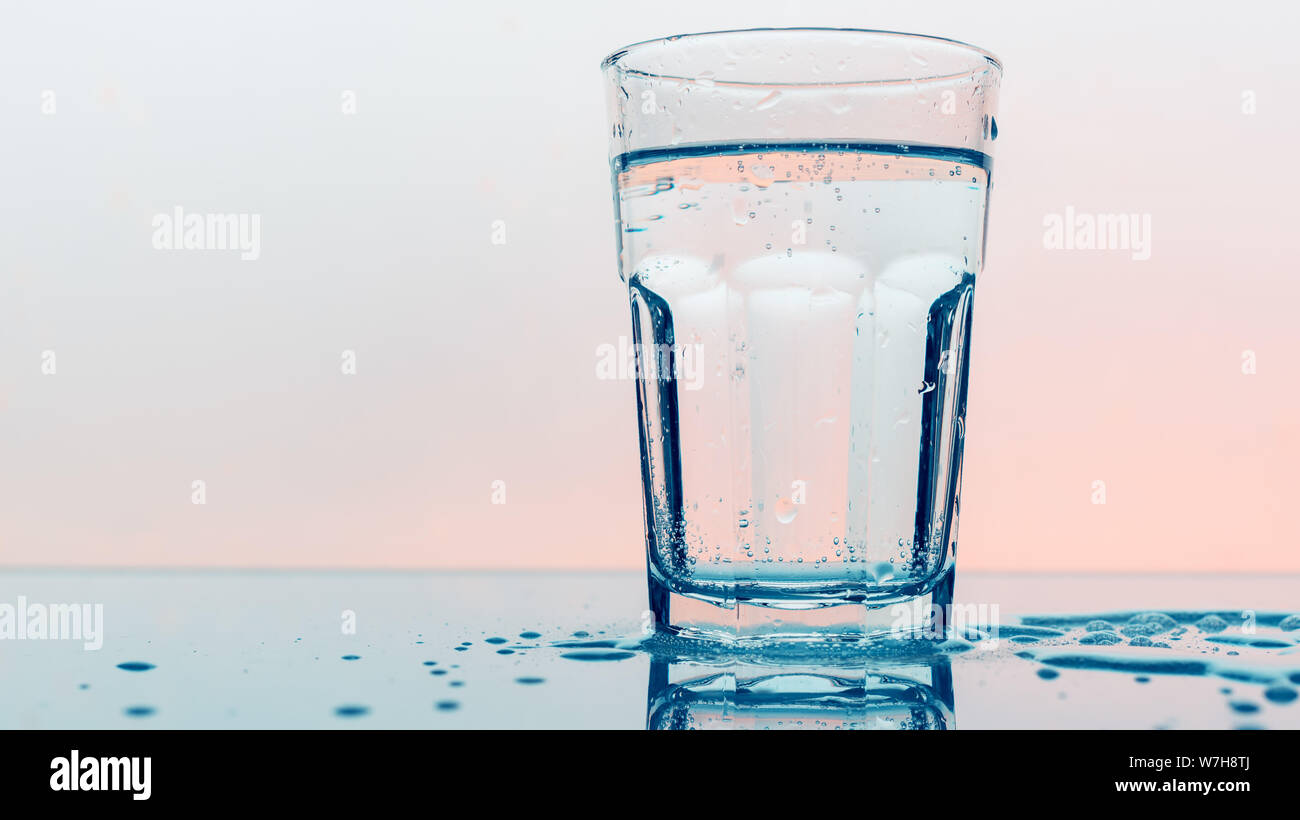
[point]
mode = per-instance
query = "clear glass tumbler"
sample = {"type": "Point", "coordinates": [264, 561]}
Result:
{"type": "Point", "coordinates": [800, 218]}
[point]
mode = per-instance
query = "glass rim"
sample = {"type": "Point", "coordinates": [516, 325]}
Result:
{"type": "Point", "coordinates": [988, 59]}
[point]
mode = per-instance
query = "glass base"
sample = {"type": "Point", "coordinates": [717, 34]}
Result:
{"type": "Point", "coordinates": [922, 616]}
{"type": "Point", "coordinates": [732, 695]}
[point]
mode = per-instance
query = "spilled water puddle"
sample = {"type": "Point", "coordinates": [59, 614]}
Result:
{"type": "Point", "coordinates": [907, 683]}
{"type": "Point", "coordinates": [1259, 647]}
{"type": "Point", "coordinates": [903, 683]}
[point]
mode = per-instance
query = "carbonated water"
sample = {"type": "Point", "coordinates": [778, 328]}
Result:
{"type": "Point", "coordinates": [805, 311]}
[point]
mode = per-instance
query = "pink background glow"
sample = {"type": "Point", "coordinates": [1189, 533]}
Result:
{"type": "Point", "coordinates": [476, 362]}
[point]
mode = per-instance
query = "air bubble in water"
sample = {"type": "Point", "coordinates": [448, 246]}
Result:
{"type": "Point", "coordinates": [785, 510]}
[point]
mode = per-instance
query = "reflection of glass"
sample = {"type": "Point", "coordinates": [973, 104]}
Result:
{"type": "Point", "coordinates": [800, 223]}
{"type": "Point", "coordinates": [732, 695]}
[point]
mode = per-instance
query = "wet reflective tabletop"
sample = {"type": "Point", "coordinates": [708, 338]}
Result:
{"type": "Point", "coordinates": [234, 649]}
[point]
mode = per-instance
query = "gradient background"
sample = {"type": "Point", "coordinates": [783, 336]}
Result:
{"type": "Point", "coordinates": [476, 362]}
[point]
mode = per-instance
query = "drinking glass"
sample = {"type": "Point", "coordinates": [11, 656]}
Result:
{"type": "Point", "coordinates": [800, 219]}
